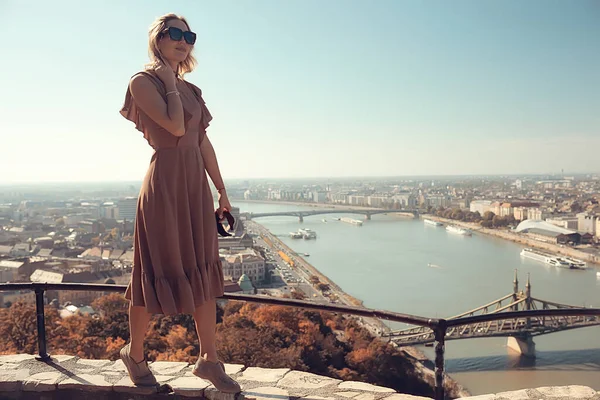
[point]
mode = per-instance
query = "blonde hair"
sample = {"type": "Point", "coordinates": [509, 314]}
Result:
{"type": "Point", "coordinates": [155, 33]}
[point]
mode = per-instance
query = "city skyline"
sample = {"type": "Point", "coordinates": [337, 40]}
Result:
{"type": "Point", "coordinates": [305, 89]}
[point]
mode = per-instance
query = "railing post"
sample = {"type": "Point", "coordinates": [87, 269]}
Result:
{"type": "Point", "coordinates": [41, 324]}
{"type": "Point", "coordinates": [440, 339]}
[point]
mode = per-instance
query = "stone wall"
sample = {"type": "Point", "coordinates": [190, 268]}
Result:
{"type": "Point", "coordinates": [68, 377]}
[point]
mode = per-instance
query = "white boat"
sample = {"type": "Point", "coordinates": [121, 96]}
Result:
{"type": "Point", "coordinates": [307, 233]}
{"type": "Point", "coordinates": [352, 221]}
{"type": "Point", "coordinates": [575, 263]}
{"type": "Point", "coordinates": [295, 235]}
{"type": "Point", "coordinates": [458, 230]}
{"type": "Point", "coordinates": [431, 222]}
{"type": "Point", "coordinates": [324, 220]}
{"type": "Point", "coordinates": [545, 258]}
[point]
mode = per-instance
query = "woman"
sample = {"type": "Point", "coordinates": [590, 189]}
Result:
{"type": "Point", "coordinates": [176, 266]}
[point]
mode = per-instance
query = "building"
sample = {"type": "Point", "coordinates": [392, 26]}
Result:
{"type": "Point", "coordinates": [319, 196]}
{"type": "Point", "coordinates": [236, 242]}
{"type": "Point", "coordinates": [438, 201]}
{"type": "Point", "coordinates": [340, 198]}
{"type": "Point", "coordinates": [535, 214]}
{"type": "Point", "coordinates": [405, 200]}
{"type": "Point", "coordinates": [506, 209]}
{"type": "Point", "coordinates": [245, 284]}
{"type": "Point", "coordinates": [570, 223]}
{"type": "Point", "coordinates": [127, 208]}
{"type": "Point", "coordinates": [480, 206]}
{"type": "Point", "coordinates": [495, 207]}
{"type": "Point", "coordinates": [547, 232]}
{"type": "Point", "coordinates": [109, 210]}
{"type": "Point", "coordinates": [21, 250]}
{"type": "Point", "coordinates": [586, 223]}
{"type": "Point", "coordinates": [72, 220]}
{"type": "Point", "coordinates": [358, 200]}
{"type": "Point", "coordinates": [519, 184]}
{"type": "Point", "coordinates": [5, 250]}
{"type": "Point", "coordinates": [245, 262]}
{"type": "Point", "coordinates": [379, 201]}
{"type": "Point", "coordinates": [520, 213]}
{"type": "Point", "coordinates": [10, 270]}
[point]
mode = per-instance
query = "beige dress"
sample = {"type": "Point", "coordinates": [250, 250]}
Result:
{"type": "Point", "coordinates": [176, 263]}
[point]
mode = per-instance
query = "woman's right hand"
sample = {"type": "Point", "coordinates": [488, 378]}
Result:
{"type": "Point", "coordinates": [165, 73]}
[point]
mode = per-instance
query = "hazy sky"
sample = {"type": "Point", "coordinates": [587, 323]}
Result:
{"type": "Point", "coordinates": [311, 88]}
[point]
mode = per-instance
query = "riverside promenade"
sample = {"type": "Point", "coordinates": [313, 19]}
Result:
{"type": "Point", "coordinates": [521, 239]}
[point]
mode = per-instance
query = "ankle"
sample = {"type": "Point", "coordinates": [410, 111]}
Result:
{"type": "Point", "coordinates": [137, 356]}
{"type": "Point", "coordinates": [210, 357]}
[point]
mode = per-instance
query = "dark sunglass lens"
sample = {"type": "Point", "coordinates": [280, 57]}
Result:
{"type": "Point", "coordinates": [190, 37]}
{"type": "Point", "coordinates": [175, 33]}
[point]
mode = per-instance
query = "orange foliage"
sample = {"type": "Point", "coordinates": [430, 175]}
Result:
{"type": "Point", "coordinates": [249, 334]}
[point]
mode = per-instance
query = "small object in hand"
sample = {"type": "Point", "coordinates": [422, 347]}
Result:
{"type": "Point", "coordinates": [230, 221]}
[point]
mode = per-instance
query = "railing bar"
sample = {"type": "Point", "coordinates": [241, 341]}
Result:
{"type": "Point", "coordinates": [362, 311]}
{"type": "Point", "coordinates": [440, 338]}
{"type": "Point", "coordinates": [41, 325]}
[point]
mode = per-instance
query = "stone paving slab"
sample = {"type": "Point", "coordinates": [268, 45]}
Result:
{"type": "Point", "coordinates": [96, 378]}
{"type": "Point", "coordinates": [573, 392]}
{"type": "Point", "coordinates": [87, 383]}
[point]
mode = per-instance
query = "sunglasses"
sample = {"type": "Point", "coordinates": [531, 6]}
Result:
{"type": "Point", "coordinates": [176, 34]}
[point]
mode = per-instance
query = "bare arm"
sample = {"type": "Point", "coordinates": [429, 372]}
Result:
{"type": "Point", "coordinates": [210, 163]}
{"type": "Point", "coordinates": [168, 115]}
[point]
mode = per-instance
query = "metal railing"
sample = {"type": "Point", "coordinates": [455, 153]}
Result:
{"type": "Point", "coordinates": [438, 325]}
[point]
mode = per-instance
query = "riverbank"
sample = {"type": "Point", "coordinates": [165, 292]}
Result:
{"type": "Point", "coordinates": [521, 239]}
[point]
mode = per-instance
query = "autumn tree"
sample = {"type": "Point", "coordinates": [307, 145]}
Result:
{"type": "Point", "coordinates": [488, 216]}
{"type": "Point", "coordinates": [250, 334]}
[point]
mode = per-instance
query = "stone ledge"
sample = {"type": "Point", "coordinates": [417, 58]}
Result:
{"type": "Point", "coordinates": [68, 377]}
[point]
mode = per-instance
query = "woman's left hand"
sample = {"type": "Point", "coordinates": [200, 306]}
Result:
{"type": "Point", "coordinates": [224, 204]}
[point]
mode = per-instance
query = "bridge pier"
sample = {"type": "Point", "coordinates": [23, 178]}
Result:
{"type": "Point", "coordinates": [368, 217]}
{"type": "Point", "coordinates": [300, 218]}
{"type": "Point", "coordinates": [523, 345]}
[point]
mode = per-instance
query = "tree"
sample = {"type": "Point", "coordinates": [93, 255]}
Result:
{"type": "Point", "coordinates": [486, 223]}
{"type": "Point", "coordinates": [488, 216]}
{"type": "Point", "coordinates": [576, 207]}
{"type": "Point", "coordinates": [249, 334]}
{"type": "Point", "coordinates": [457, 215]}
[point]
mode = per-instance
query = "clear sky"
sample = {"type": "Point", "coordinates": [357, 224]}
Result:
{"type": "Point", "coordinates": [310, 87]}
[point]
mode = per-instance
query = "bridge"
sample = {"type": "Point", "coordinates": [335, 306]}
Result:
{"type": "Point", "coordinates": [519, 330]}
{"type": "Point", "coordinates": [302, 214]}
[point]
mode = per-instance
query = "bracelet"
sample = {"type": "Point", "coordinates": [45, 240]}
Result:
{"type": "Point", "coordinates": [174, 91]}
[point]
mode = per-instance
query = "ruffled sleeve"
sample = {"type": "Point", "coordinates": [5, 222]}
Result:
{"type": "Point", "coordinates": [133, 113]}
{"type": "Point", "coordinates": [206, 116]}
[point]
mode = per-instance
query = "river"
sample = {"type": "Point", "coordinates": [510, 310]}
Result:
{"type": "Point", "coordinates": [385, 264]}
